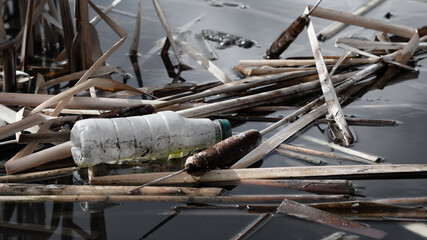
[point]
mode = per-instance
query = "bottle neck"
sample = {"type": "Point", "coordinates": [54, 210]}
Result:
{"type": "Point", "coordinates": [222, 129]}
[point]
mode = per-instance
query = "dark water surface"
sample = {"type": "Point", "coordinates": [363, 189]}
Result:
{"type": "Point", "coordinates": [404, 99]}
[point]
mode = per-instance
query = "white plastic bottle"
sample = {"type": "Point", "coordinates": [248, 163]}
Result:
{"type": "Point", "coordinates": [163, 135]}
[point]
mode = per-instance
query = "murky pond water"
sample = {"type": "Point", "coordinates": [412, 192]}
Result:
{"type": "Point", "coordinates": [404, 99]}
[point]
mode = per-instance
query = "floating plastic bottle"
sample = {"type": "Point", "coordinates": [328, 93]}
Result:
{"type": "Point", "coordinates": [164, 135]}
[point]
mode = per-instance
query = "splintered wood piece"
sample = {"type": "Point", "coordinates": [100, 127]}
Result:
{"type": "Point", "coordinates": [302, 211]}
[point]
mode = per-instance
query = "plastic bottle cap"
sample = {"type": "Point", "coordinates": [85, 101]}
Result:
{"type": "Point", "coordinates": [226, 128]}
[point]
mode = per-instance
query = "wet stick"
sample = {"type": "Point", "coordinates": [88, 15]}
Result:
{"type": "Point", "coordinates": [289, 35]}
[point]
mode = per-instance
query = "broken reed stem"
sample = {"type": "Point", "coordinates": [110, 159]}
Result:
{"type": "Point", "coordinates": [334, 28]}
{"type": "Point", "coordinates": [26, 36]}
{"type": "Point", "coordinates": [135, 42]}
{"type": "Point", "coordinates": [240, 85]}
{"type": "Point", "coordinates": [25, 123]}
{"type": "Point", "coordinates": [304, 157]}
{"type": "Point", "coordinates": [303, 62]}
{"type": "Point", "coordinates": [203, 61]}
{"type": "Point", "coordinates": [41, 189]}
{"type": "Point", "coordinates": [99, 103]}
{"type": "Point", "coordinates": [314, 186]}
{"type": "Point", "coordinates": [274, 141]}
{"type": "Point", "coordinates": [329, 155]}
{"type": "Point", "coordinates": [163, 198]}
{"type": "Point", "coordinates": [37, 176]}
{"type": "Point", "coordinates": [349, 151]}
{"type": "Point", "coordinates": [331, 99]}
{"type": "Point", "coordinates": [48, 155]}
{"type": "Point", "coordinates": [361, 21]}
{"type": "Point", "coordinates": [264, 70]}
{"type": "Point", "coordinates": [340, 172]}
{"type": "Point", "coordinates": [164, 22]}
{"type": "Point", "coordinates": [246, 101]}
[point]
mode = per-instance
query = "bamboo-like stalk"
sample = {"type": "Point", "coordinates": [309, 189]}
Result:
{"type": "Point", "coordinates": [330, 155]}
{"type": "Point", "coordinates": [51, 154]}
{"type": "Point", "coordinates": [274, 141]}
{"type": "Point", "coordinates": [304, 157]}
{"type": "Point", "coordinates": [98, 82]}
{"type": "Point", "coordinates": [68, 29]}
{"type": "Point", "coordinates": [359, 43]}
{"type": "Point", "coordinates": [240, 85]}
{"type": "Point", "coordinates": [203, 61]}
{"type": "Point", "coordinates": [309, 213]}
{"type": "Point", "coordinates": [107, 9]}
{"type": "Point", "coordinates": [314, 186]}
{"type": "Point", "coordinates": [334, 107]}
{"type": "Point", "coordinates": [340, 172]}
{"type": "Point", "coordinates": [82, 26]}
{"type": "Point", "coordinates": [334, 28]}
{"type": "Point", "coordinates": [135, 42]}
{"type": "Point", "coordinates": [164, 22]}
{"type": "Point", "coordinates": [41, 189]}
{"type": "Point", "coordinates": [26, 36]}
{"type": "Point", "coordinates": [102, 70]}
{"type": "Point", "coordinates": [350, 151]}
{"type": "Point", "coordinates": [303, 62]}
{"type": "Point", "coordinates": [253, 100]}
{"type": "Point", "coordinates": [37, 176]}
{"type": "Point", "coordinates": [361, 21]}
{"type": "Point", "coordinates": [163, 198]}
{"type": "Point", "coordinates": [25, 123]}
{"type": "Point", "coordinates": [263, 70]}
{"type": "Point", "coordinates": [403, 201]}
{"type": "Point", "coordinates": [32, 100]}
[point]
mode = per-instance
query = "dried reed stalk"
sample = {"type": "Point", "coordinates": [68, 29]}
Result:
{"type": "Point", "coordinates": [135, 42]}
{"type": "Point", "coordinates": [99, 103]}
{"type": "Point", "coordinates": [361, 21]}
{"type": "Point", "coordinates": [337, 172]}
{"type": "Point", "coordinates": [41, 189]}
{"type": "Point", "coordinates": [51, 154]}
{"type": "Point", "coordinates": [37, 176]}
{"type": "Point", "coordinates": [334, 28]}
{"type": "Point", "coordinates": [163, 198]}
